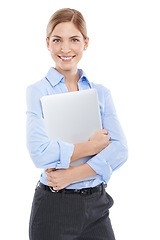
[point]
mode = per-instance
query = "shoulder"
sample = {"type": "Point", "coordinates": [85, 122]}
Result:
{"type": "Point", "coordinates": [38, 88]}
{"type": "Point", "coordinates": [34, 93]}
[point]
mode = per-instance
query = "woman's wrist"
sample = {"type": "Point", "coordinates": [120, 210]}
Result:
{"type": "Point", "coordinates": [81, 171]}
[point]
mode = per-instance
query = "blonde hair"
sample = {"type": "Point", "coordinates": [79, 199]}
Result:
{"type": "Point", "coordinates": [67, 15]}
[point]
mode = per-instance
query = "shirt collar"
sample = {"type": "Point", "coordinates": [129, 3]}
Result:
{"type": "Point", "coordinates": [54, 77]}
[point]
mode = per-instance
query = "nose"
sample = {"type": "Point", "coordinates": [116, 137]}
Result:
{"type": "Point", "coordinates": [65, 47]}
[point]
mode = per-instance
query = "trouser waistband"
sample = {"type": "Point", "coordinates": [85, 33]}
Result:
{"type": "Point", "coordinates": [85, 191]}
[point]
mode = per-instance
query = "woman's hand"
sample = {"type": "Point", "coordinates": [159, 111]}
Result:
{"type": "Point", "coordinates": [100, 140]}
{"type": "Point", "coordinates": [59, 178]}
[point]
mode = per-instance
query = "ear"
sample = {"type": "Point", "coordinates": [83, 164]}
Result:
{"type": "Point", "coordinates": [86, 42]}
{"type": "Point", "coordinates": [47, 42]}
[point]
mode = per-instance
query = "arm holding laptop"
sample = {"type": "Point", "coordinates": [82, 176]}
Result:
{"type": "Point", "coordinates": [64, 177]}
{"type": "Point", "coordinates": [105, 161]}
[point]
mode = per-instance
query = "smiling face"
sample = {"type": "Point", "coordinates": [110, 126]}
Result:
{"type": "Point", "coordinates": [66, 45]}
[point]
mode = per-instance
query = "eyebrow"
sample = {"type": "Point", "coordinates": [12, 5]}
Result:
{"type": "Point", "coordinates": [61, 37]}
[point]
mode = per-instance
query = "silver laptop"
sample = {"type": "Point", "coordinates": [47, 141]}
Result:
{"type": "Point", "coordinates": [72, 117]}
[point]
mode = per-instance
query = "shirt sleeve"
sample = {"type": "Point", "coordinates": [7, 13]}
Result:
{"type": "Point", "coordinates": [115, 154]}
{"type": "Point", "coordinates": [44, 152]}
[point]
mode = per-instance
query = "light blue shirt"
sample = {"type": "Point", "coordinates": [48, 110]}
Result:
{"type": "Point", "coordinates": [46, 153]}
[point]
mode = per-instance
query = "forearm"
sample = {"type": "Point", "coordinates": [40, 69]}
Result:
{"type": "Point", "coordinates": [81, 171]}
{"type": "Point", "coordinates": [108, 160]}
{"type": "Point", "coordinates": [82, 150]}
{"type": "Point", "coordinates": [115, 155]}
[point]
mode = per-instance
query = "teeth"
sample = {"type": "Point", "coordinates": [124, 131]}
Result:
{"type": "Point", "coordinates": [66, 58]}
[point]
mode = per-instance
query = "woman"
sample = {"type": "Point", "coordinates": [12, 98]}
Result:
{"type": "Point", "coordinates": [61, 209]}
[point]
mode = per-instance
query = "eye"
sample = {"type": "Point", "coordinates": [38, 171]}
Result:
{"type": "Point", "coordinates": [75, 40]}
{"type": "Point", "coordinates": [56, 40]}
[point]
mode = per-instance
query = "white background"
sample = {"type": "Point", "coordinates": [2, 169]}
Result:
{"type": "Point", "coordinates": [124, 56]}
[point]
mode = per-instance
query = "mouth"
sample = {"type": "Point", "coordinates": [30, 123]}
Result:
{"type": "Point", "coordinates": [66, 58]}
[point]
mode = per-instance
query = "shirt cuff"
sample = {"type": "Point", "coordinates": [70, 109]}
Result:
{"type": "Point", "coordinates": [65, 152]}
{"type": "Point", "coordinates": [101, 167]}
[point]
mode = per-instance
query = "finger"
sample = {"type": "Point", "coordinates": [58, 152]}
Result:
{"type": "Point", "coordinates": [55, 187]}
{"type": "Point", "coordinates": [48, 174]}
{"type": "Point", "coordinates": [50, 184]}
{"type": "Point", "coordinates": [108, 137]}
{"type": "Point", "coordinates": [104, 131]}
{"type": "Point", "coordinates": [50, 169]}
{"type": "Point", "coordinates": [49, 178]}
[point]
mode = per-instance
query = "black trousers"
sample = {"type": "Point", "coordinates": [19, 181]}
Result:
{"type": "Point", "coordinates": [61, 216]}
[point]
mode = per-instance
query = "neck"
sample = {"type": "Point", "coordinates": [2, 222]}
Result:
{"type": "Point", "coordinates": [71, 76]}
